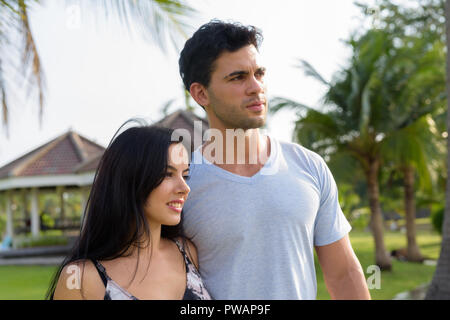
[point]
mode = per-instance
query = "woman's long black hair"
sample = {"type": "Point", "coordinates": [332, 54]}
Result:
{"type": "Point", "coordinates": [134, 164]}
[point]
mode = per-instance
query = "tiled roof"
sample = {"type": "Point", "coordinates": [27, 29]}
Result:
{"type": "Point", "coordinates": [71, 153]}
{"type": "Point", "coordinates": [183, 119]}
{"type": "Point", "coordinates": [63, 155]}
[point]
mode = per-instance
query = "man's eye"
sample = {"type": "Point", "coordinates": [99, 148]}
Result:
{"type": "Point", "coordinates": [237, 78]}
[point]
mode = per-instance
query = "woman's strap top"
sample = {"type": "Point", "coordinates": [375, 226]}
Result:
{"type": "Point", "coordinates": [195, 289]}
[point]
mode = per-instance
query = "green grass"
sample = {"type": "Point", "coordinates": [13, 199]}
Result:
{"type": "Point", "coordinates": [25, 282]}
{"type": "Point", "coordinates": [404, 276]}
{"type": "Point", "coordinates": [31, 282]}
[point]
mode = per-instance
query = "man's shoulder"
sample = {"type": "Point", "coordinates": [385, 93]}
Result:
{"type": "Point", "coordinates": [300, 152]}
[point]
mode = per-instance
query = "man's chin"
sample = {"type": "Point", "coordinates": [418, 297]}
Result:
{"type": "Point", "coordinates": [254, 123]}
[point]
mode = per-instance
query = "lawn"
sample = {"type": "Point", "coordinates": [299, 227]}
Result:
{"type": "Point", "coordinates": [31, 282]}
{"type": "Point", "coordinates": [404, 275]}
{"type": "Point", "coordinates": [24, 282]}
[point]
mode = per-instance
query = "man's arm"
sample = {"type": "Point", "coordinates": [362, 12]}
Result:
{"type": "Point", "coordinates": [342, 271]}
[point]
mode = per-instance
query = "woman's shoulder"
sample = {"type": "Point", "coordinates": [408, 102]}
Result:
{"type": "Point", "coordinates": [189, 248]}
{"type": "Point", "coordinates": [79, 280]}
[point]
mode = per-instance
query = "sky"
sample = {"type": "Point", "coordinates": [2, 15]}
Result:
{"type": "Point", "coordinates": [99, 74]}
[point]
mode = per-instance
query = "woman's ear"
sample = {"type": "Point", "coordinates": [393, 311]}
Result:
{"type": "Point", "coordinates": [199, 94]}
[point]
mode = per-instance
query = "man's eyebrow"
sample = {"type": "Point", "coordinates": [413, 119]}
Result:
{"type": "Point", "coordinates": [241, 72]}
{"type": "Point", "coordinates": [236, 73]}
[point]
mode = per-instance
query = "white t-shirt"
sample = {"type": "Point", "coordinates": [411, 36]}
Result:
{"type": "Point", "coordinates": [256, 235]}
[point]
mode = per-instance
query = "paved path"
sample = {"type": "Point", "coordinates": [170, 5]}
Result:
{"type": "Point", "coordinates": [44, 261]}
{"type": "Point", "coordinates": [418, 293]}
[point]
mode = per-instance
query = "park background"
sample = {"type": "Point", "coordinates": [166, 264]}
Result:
{"type": "Point", "coordinates": [100, 67]}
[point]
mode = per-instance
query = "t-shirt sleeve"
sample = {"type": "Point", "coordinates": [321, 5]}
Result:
{"type": "Point", "coordinates": [330, 224]}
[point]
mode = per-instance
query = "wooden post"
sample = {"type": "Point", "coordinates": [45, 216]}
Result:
{"type": "Point", "coordinates": [60, 193]}
{"type": "Point", "coordinates": [35, 221]}
{"type": "Point", "coordinates": [84, 198]}
{"type": "Point", "coordinates": [9, 217]}
{"type": "Point", "coordinates": [23, 198]}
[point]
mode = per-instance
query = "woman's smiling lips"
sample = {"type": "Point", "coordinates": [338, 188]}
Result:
{"type": "Point", "coordinates": [176, 205]}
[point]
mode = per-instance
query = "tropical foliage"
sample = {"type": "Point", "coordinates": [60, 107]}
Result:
{"type": "Point", "coordinates": [377, 113]}
{"type": "Point", "coordinates": [156, 20]}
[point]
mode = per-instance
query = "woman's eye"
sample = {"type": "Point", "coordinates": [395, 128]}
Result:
{"type": "Point", "coordinates": [168, 174]}
{"type": "Point", "coordinates": [186, 177]}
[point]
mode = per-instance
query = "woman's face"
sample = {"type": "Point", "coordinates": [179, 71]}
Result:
{"type": "Point", "coordinates": [166, 201]}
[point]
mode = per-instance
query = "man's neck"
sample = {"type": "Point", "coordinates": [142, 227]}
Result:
{"type": "Point", "coordinates": [237, 151]}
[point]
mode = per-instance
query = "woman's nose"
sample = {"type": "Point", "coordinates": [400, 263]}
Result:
{"type": "Point", "coordinates": [183, 187]}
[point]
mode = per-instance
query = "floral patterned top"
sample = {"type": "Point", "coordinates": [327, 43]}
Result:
{"type": "Point", "coordinates": [195, 289]}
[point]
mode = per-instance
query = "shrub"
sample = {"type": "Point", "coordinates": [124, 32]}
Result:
{"type": "Point", "coordinates": [360, 218]}
{"type": "Point", "coordinates": [43, 240]}
{"type": "Point", "coordinates": [437, 219]}
{"type": "Point", "coordinates": [2, 224]}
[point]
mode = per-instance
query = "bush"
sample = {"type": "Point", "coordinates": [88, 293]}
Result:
{"type": "Point", "coordinates": [43, 240]}
{"type": "Point", "coordinates": [360, 218]}
{"type": "Point", "coordinates": [437, 219]}
{"type": "Point", "coordinates": [2, 224]}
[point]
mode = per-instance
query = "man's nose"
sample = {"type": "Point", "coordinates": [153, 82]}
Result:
{"type": "Point", "coordinates": [256, 86]}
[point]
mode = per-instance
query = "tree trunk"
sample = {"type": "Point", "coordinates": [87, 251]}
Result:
{"type": "Point", "coordinates": [413, 252]}
{"type": "Point", "coordinates": [382, 259]}
{"type": "Point", "coordinates": [440, 285]}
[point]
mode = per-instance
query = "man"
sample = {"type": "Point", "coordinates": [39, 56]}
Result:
{"type": "Point", "coordinates": [258, 207]}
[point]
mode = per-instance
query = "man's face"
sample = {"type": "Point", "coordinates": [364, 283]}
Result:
{"type": "Point", "coordinates": [237, 92]}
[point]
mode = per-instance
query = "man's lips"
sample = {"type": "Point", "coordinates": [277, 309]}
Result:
{"type": "Point", "coordinates": [256, 106]}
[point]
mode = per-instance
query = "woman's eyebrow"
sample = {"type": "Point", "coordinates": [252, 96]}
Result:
{"type": "Point", "coordinates": [175, 169]}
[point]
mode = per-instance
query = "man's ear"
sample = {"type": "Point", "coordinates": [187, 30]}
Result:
{"type": "Point", "coordinates": [199, 94]}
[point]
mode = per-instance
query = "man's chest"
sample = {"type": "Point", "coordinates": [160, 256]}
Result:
{"type": "Point", "coordinates": [228, 210]}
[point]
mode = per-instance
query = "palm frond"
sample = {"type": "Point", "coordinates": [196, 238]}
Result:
{"type": "Point", "coordinates": [156, 20]}
{"type": "Point", "coordinates": [317, 131]}
{"type": "Point", "coordinates": [278, 103]}
{"type": "Point", "coordinates": [30, 59]}
{"type": "Point", "coordinates": [4, 104]}
{"type": "Point", "coordinates": [415, 146]}
{"type": "Point", "coordinates": [309, 70]}
{"type": "Point", "coordinates": [14, 21]}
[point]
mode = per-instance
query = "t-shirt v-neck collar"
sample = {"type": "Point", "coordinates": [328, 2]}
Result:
{"type": "Point", "coordinates": [199, 159]}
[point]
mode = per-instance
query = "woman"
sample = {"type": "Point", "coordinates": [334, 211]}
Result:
{"type": "Point", "coordinates": [130, 244]}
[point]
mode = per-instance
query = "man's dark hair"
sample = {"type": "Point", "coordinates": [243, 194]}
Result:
{"type": "Point", "coordinates": [208, 42]}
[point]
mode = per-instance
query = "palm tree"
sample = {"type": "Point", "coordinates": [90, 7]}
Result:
{"type": "Point", "coordinates": [363, 119]}
{"type": "Point", "coordinates": [412, 151]}
{"type": "Point", "coordinates": [349, 126]}
{"type": "Point", "coordinates": [440, 285]}
{"type": "Point", "coordinates": [414, 84]}
{"type": "Point", "coordinates": [14, 19]}
{"type": "Point", "coordinates": [156, 20]}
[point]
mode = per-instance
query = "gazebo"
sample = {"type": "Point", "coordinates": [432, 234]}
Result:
{"type": "Point", "coordinates": [66, 163]}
